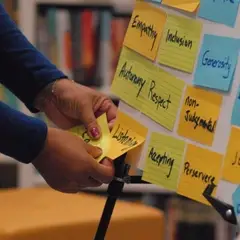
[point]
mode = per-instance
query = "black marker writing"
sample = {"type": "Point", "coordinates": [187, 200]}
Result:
{"type": "Point", "coordinates": [191, 102]}
{"type": "Point", "coordinates": [207, 124]}
{"type": "Point", "coordinates": [157, 99]}
{"type": "Point", "coordinates": [198, 121]}
{"type": "Point", "coordinates": [194, 173]}
{"type": "Point", "coordinates": [128, 74]}
{"type": "Point", "coordinates": [122, 136]}
{"type": "Point", "coordinates": [161, 160]}
{"type": "Point", "coordinates": [236, 160]}
{"type": "Point", "coordinates": [147, 30]}
{"type": "Point", "coordinates": [86, 137]}
{"type": "Point", "coordinates": [180, 41]}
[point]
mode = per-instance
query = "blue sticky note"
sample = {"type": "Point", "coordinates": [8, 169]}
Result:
{"type": "Point", "coordinates": [236, 201]}
{"type": "Point", "coordinates": [220, 11]}
{"type": "Point", "coordinates": [217, 62]}
{"type": "Point", "coordinates": [236, 111]}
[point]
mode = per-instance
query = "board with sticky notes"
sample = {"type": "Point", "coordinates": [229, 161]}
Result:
{"type": "Point", "coordinates": [178, 76]}
{"type": "Point", "coordinates": [178, 81]}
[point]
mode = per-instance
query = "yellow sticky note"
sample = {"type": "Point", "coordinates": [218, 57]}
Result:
{"type": "Point", "coordinates": [163, 161]}
{"type": "Point", "coordinates": [201, 168]}
{"type": "Point", "coordinates": [148, 88]}
{"type": "Point", "coordinates": [126, 134]}
{"type": "Point", "coordinates": [231, 170]}
{"type": "Point", "coordinates": [186, 5]}
{"type": "Point", "coordinates": [180, 43]}
{"type": "Point", "coordinates": [145, 29]}
{"type": "Point", "coordinates": [130, 83]}
{"type": "Point", "coordinates": [199, 115]}
{"type": "Point", "coordinates": [105, 140]}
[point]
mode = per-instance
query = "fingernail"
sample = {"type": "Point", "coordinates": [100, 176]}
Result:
{"type": "Point", "coordinates": [107, 161]}
{"type": "Point", "coordinates": [95, 132]}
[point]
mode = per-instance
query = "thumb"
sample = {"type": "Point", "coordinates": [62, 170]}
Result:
{"type": "Point", "coordinates": [90, 123]}
{"type": "Point", "coordinates": [95, 152]}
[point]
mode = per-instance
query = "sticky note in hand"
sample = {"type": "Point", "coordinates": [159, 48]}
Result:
{"type": "Point", "coordinates": [126, 135]}
{"type": "Point", "coordinates": [103, 142]}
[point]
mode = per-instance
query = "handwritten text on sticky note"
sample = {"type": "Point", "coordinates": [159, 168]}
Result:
{"type": "Point", "coordinates": [126, 134]}
{"type": "Point", "coordinates": [163, 161]}
{"type": "Point", "coordinates": [145, 29]}
{"type": "Point", "coordinates": [217, 62]}
{"type": "Point", "coordinates": [231, 167]}
{"type": "Point", "coordinates": [220, 11]}
{"type": "Point", "coordinates": [199, 115]}
{"type": "Point", "coordinates": [201, 168]}
{"type": "Point", "coordinates": [148, 88]}
{"type": "Point", "coordinates": [186, 5]}
{"type": "Point", "coordinates": [105, 140]}
{"type": "Point", "coordinates": [180, 43]}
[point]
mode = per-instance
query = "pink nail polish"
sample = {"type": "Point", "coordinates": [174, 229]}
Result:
{"type": "Point", "coordinates": [95, 133]}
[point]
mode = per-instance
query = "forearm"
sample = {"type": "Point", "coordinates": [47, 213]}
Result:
{"type": "Point", "coordinates": [23, 69]}
{"type": "Point", "coordinates": [21, 137]}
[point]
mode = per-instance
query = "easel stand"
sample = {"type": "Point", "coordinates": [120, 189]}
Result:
{"type": "Point", "coordinates": [116, 187]}
{"type": "Point", "coordinates": [114, 191]}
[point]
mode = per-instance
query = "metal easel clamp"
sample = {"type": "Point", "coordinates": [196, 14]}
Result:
{"type": "Point", "coordinates": [224, 209]}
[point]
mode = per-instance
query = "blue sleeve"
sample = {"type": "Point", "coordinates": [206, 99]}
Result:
{"type": "Point", "coordinates": [21, 137]}
{"type": "Point", "coordinates": [23, 69]}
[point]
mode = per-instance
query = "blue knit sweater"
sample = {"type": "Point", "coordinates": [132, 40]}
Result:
{"type": "Point", "coordinates": [25, 72]}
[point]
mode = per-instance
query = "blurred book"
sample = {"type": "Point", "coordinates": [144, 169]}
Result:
{"type": "Point", "coordinates": [119, 27]}
{"type": "Point", "coordinates": [84, 43]}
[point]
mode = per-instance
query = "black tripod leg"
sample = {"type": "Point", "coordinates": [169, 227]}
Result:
{"type": "Point", "coordinates": [114, 191]}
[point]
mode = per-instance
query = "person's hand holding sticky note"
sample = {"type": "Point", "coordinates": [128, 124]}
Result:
{"type": "Point", "coordinates": [103, 142]}
{"type": "Point", "coordinates": [126, 135]}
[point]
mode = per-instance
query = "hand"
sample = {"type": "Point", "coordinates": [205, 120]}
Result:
{"type": "Point", "coordinates": [72, 104]}
{"type": "Point", "coordinates": [67, 163]}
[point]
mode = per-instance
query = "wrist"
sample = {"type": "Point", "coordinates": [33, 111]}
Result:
{"type": "Point", "coordinates": [51, 93]}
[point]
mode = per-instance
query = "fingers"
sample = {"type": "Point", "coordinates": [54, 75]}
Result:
{"type": "Point", "coordinates": [103, 172]}
{"type": "Point", "coordinates": [90, 123]}
{"type": "Point", "coordinates": [110, 108]}
{"type": "Point", "coordinates": [111, 125]}
{"type": "Point", "coordinates": [95, 152]}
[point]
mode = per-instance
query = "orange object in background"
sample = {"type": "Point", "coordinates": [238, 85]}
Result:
{"type": "Point", "coordinates": [118, 30]}
{"type": "Point", "coordinates": [45, 214]}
